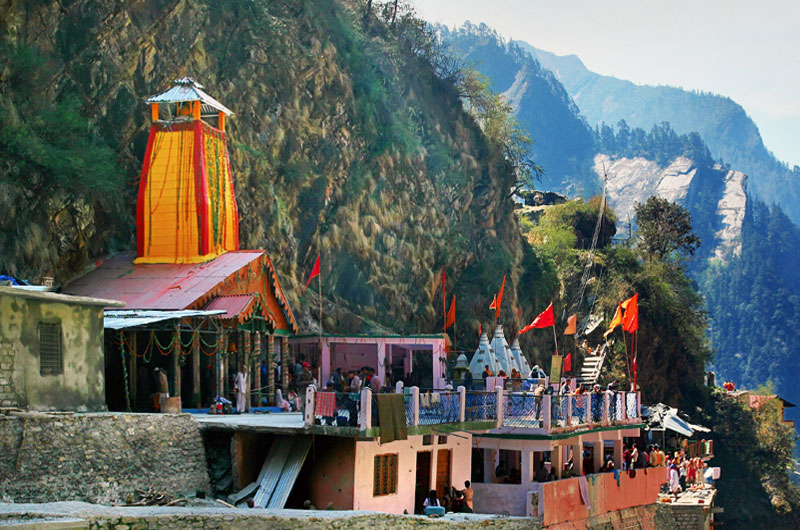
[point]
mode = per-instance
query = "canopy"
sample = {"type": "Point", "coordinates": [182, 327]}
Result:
{"type": "Point", "coordinates": [134, 318]}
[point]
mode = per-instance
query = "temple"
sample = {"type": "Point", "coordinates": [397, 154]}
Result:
{"type": "Point", "coordinates": [190, 293]}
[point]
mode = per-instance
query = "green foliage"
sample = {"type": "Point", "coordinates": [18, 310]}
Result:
{"type": "Point", "coordinates": [754, 450]}
{"type": "Point", "coordinates": [661, 144]}
{"type": "Point", "coordinates": [665, 229]}
{"type": "Point", "coordinates": [55, 164]}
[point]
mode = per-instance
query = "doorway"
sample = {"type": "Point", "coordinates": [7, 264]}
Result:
{"type": "Point", "coordinates": [422, 485]}
{"type": "Point", "coordinates": [442, 472]}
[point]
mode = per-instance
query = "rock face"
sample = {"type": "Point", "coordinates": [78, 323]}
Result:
{"type": "Point", "coordinates": [716, 197]}
{"type": "Point", "coordinates": [334, 148]}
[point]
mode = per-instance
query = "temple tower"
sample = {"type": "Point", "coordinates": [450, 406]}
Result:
{"type": "Point", "coordinates": [186, 208]}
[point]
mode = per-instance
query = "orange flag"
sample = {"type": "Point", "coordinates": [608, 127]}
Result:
{"type": "Point", "coordinates": [451, 315]}
{"type": "Point", "coordinates": [572, 325]}
{"type": "Point", "coordinates": [616, 321]}
{"type": "Point", "coordinates": [493, 305]}
{"type": "Point", "coordinates": [630, 322]}
{"type": "Point", "coordinates": [314, 274]}
{"type": "Point", "coordinates": [500, 298]}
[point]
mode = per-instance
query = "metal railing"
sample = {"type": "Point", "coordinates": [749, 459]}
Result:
{"type": "Point", "coordinates": [503, 408]}
{"type": "Point", "coordinates": [480, 406]}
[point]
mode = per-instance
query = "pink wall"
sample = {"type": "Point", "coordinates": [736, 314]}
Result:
{"type": "Point", "coordinates": [363, 498]}
{"type": "Point", "coordinates": [562, 499]}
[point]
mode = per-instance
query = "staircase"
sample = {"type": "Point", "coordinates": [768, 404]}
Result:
{"type": "Point", "coordinates": [593, 364]}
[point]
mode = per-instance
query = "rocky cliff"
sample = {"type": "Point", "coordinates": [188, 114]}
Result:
{"type": "Point", "coordinates": [335, 149]}
{"type": "Point", "coordinates": [718, 218]}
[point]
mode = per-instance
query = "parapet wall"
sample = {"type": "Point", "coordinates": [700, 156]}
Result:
{"type": "Point", "coordinates": [99, 458]}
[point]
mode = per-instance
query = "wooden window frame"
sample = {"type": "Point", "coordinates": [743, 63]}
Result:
{"type": "Point", "coordinates": [51, 348]}
{"type": "Point", "coordinates": [385, 475]}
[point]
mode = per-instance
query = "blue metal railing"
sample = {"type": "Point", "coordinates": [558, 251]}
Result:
{"type": "Point", "coordinates": [522, 410]}
{"type": "Point", "coordinates": [436, 408]}
{"type": "Point", "coordinates": [480, 406]}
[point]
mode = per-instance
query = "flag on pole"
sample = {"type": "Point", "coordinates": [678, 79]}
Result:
{"type": "Point", "coordinates": [314, 274]}
{"type": "Point", "coordinates": [616, 321]}
{"type": "Point", "coordinates": [545, 319]}
{"type": "Point", "coordinates": [572, 326]}
{"type": "Point", "coordinates": [451, 315]}
{"type": "Point", "coordinates": [493, 305]}
{"type": "Point", "coordinates": [568, 363]}
{"type": "Point", "coordinates": [480, 329]}
{"type": "Point", "coordinates": [630, 322]}
{"type": "Point", "coordinates": [500, 298]}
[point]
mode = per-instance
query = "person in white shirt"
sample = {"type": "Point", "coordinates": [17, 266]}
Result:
{"type": "Point", "coordinates": [431, 500]}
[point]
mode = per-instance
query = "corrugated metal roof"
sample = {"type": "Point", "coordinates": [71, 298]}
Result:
{"type": "Point", "coordinates": [239, 306]}
{"type": "Point", "coordinates": [163, 286]}
{"type": "Point", "coordinates": [172, 286]}
{"type": "Point", "coordinates": [187, 89]}
{"type": "Point", "coordinates": [132, 319]}
{"type": "Point", "coordinates": [47, 296]}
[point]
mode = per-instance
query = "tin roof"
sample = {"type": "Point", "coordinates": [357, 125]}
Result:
{"type": "Point", "coordinates": [238, 306]}
{"type": "Point", "coordinates": [46, 296]}
{"type": "Point", "coordinates": [132, 319]}
{"type": "Point", "coordinates": [187, 89]}
{"type": "Point", "coordinates": [178, 286]}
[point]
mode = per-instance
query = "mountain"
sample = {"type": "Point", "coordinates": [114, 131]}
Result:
{"type": "Point", "coordinates": [334, 149]}
{"type": "Point", "coordinates": [723, 124]}
{"type": "Point", "coordinates": [563, 141]}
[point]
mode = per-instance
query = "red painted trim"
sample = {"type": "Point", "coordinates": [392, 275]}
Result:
{"type": "Point", "coordinates": [233, 193]}
{"type": "Point", "coordinates": [140, 214]}
{"type": "Point", "coordinates": [201, 186]}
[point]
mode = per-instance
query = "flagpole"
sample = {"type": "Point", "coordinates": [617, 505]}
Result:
{"type": "Point", "coordinates": [444, 304]}
{"type": "Point", "coordinates": [555, 339]}
{"type": "Point", "coordinates": [627, 360]}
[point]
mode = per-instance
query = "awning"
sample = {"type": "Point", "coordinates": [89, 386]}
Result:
{"type": "Point", "coordinates": [134, 318]}
{"type": "Point", "coordinates": [239, 306]}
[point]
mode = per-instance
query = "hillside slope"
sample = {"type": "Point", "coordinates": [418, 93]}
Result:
{"type": "Point", "coordinates": [563, 142]}
{"type": "Point", "coordinates": [729, 132]}
{"type": "Point", "coordinates": [334, 149]}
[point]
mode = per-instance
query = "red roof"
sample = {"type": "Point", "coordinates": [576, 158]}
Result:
{"type": "Point", "coordinates": [188, 286]}
{"type": "Point", "coordinates": [239, 306]}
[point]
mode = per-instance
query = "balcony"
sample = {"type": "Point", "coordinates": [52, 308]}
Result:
{"type": "Point", "coordinates": [501, 411]}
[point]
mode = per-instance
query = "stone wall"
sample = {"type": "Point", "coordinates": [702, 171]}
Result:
{"type": "Point", "coordinates": [691, 517]}
{"type": "Point", "coordinates": [99, 457]}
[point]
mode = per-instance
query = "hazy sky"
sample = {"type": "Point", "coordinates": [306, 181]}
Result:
{"type": "Point", "coordinates": [747, 50]}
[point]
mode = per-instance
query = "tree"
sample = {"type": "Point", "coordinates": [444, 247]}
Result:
{"type": "Point", "coordinates": [665, 229]}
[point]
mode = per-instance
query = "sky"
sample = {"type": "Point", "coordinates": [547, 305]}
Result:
{"type": "Point", "coordinates": [746, 50]}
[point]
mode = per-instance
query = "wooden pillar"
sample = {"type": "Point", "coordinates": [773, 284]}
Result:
{"type": "Point", "coordinates": [246, 357]}
{"type": "Point", "coordinates": [221, 121]}
{"type": "Point", "coordinates": [196, 110]}
{"type": "Point", "coordinates": [176, 365]}
{"type": "Point", "coordinates": [196, 401]}
{"type": "Point", "coordinates": [285, 362]}
{"type": "Point", "coordinates": [577, 457]}
{"type": "Point", "coordinates": [154, 111]}
{"type": "Point", "coordinates": [557, 459]}
{"type": "Point", "coordinates": [598, 457]}
{"type": "Point", "coordinates": [270, 369]}
{"type": "Point", "coordinates": [221, 353]}
{"type": "Point", "coordinates": [259, 357]}
{"type": "Point", "coordinates": [132, 372]}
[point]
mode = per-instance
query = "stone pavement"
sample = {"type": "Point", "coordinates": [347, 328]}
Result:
{"type": "Point", "coordinates": [93, 516]}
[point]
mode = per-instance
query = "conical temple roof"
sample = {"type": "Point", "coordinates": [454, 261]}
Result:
{"type": "Point", "coordinates": [505, 359]}
{"type": "Point", "coordinates": [522, 362]}
{"type": "Point", "coordinates": [483, 356]}
{"type": "Point", "coordinates": [187, 89]}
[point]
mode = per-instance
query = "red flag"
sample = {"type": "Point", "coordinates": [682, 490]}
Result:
{"type": "Point", "coordinates": [630, 322]}
{"type": "Point", "coordinates": [314, 274]}
{"type": "Point", "coordinates": [480, 329]}
{"type": "Point", "coordinates": [500, 298]}
{"type": "Point", "coordinates": [493, 305]}
{"type": "Point", "coordinates": [545, 319]}
{"type": "Point", "coordinates": [451, 315]}
{"type": "Point", "coordinates": [568, 363]}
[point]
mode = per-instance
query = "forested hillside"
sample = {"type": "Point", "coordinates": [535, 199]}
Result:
{"type": "Point", "coordinates": [335, 149]}
{"type": "Point", "coordinates": [723, 124]}
{"type": "Point", "coordinates": [563, 144]}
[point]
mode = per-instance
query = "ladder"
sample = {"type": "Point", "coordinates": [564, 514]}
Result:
{"type": "Point", "coordinates": [593, 365]}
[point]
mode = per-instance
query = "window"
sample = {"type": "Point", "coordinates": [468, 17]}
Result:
{"type": "Point", "coordinates": [50, 355]}
{"type": "Point", "coordinates": [385, 480]}
{"type": "Point", "coordinates": [442, 440]}
{"type": "Point", "coordinates": [427, 439]}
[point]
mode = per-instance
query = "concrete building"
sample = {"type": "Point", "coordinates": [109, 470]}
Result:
{"type": "Point", "coordinates": [51, 350]}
